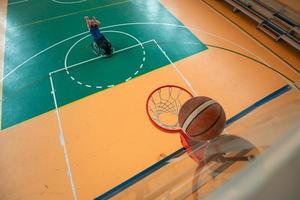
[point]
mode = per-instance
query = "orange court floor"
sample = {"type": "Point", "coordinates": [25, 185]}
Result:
{"type": "Point", "coordinates": [108, 137]}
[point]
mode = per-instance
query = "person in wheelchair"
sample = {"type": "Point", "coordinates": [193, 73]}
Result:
{"type": "Point", "coordinates": [93, 25]}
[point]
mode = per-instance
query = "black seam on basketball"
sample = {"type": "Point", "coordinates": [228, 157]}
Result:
{"type": "Point", "coordinates": [199, 113]}
{"type": "Point", "coordinates": [221, 112]}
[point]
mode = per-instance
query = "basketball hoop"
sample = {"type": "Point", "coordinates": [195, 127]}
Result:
{"type": "Point", "coordinates": [163, 105]}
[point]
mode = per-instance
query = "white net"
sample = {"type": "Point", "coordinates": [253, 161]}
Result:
{"type": "Point", "coordinates": [164, 104]}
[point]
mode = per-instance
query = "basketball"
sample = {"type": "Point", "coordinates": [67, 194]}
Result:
{"type": "Point", "coordinates": [201, 118]}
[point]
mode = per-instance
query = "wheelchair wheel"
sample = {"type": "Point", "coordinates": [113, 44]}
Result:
{"type": "Point", "coordinates": [98, 51]}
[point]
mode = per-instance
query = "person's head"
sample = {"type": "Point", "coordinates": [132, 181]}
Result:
{"type": "Point", "coordinates": [92, 22]}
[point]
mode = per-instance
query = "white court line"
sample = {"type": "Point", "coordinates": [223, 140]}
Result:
{"type": "Point", "coordinates": [151, 23]}
{"type": "Point", "coordinates": [68, 2]}
{"type": "Point", "coordinates": [17, 2]}
{"type": "Point", "coordinates": [121, 50]}
{"type": "Point", "coordinates": [96, 58]}
{"type": "Point", "coordinates": [119, 32]}
{"type": "Point", "coordinates": [59, 121]}
{"type": "Point", "coordinates": [32, 57]}
{"type": "Point", "coordinates": [62, 141]}
{"type": "Point", "coordinates": [177, 70]}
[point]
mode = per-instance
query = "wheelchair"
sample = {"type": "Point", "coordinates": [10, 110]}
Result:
{"type": "Point", "coordinates": [102, 48]}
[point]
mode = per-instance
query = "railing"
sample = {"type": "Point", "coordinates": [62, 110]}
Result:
{"type": "Point", "coordinates": [271, 21]}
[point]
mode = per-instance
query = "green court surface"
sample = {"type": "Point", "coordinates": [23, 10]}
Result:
{"type": "Point", "coordinates": [50, 37]}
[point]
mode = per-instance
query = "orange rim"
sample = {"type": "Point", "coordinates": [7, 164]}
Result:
{"type": "Point", "coordinates": [167, 130]}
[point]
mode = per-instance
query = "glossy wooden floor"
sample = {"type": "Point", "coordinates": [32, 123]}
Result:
{"type": "Point", "coordinates": [102, 155]}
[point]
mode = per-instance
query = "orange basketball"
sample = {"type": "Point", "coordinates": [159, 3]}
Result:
{"type": "Point", "coordinates": [201, 118]}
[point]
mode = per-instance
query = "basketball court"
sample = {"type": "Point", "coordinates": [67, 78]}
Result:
{"type": "Point", "coordinates": [74, 126]}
